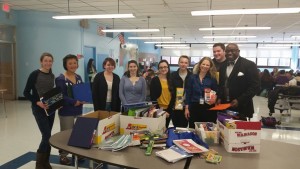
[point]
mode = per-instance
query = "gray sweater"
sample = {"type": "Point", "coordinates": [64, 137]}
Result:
{"type": "Point", "coordinates": [130, 93]}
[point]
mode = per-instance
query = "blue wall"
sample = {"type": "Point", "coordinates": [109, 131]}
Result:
{"type": "Point", "coordinates": [37, 32]}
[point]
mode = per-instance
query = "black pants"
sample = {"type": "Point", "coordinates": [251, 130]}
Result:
{"type": "Point", "coordinates": [200, 113]}
{"type": "Point", "coordinates": [45, 124]}
{"type": "Point", "coordinates": [179, 119]}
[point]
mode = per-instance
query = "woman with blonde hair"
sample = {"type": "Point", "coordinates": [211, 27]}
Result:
{"type": "Point", "coordinates": [197, 107]}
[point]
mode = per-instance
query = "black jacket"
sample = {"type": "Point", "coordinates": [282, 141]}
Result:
{"type": "Point", "coordinates": [99, 92]}
{"type": "Point", "coordinates": [243, 83]}
{"type": "Point", "coordinates": [177, 82]}
{"type": "Point", "coordinates": [155, 92]}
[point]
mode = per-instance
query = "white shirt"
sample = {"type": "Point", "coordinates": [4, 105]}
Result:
{"type": "Point", "coordinates": [230, 67]}
{"type": "Point", "coordinates": [109, 90]}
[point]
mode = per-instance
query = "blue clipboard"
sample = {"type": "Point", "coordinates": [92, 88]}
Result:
{"type": "Point", "coordinates": [83, 92]}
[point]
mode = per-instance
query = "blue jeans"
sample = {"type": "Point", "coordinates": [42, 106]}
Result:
{"type": "Point", "coordinates": [45, 124]}
{"type": "Point", "coordinates": [108, 106]}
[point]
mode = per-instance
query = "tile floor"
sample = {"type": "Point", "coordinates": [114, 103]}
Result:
{"type": "Point", "coordinates": [19, 132]}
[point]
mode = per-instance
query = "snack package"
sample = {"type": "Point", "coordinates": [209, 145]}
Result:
{"type": "Point", "coordinates": [209, 96]}
{"type": "Point", "coordinates": [179, 99]}
{"type": "Point", "coordinates": [213, 158]}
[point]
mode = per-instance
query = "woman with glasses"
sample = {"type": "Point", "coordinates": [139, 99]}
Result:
{"type": "Point", "coordinates": [161, 89]}
{"type": "Point", "coordinates": [132, 87]}
{"type": "Point", "coordinates": [196, 107]}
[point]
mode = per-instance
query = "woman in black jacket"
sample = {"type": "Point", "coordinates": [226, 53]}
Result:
{"type": "Point", "coordinates": [161, 89]}
{"type": "Point", "coordinates": [179, 81]}
{"type": "Point", "coordinates": [105, 88]}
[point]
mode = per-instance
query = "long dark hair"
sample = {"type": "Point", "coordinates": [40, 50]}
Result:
{"type": "Point", "coordinates": [90, 65]}
{"type": "Point", "coordinates": [169, 80]}
{"type": "Point", "coordinates": [127, 73]}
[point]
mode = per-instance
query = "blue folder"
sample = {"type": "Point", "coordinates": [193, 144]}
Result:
{"type": "Point", "coordinates": [83, 132]}
{"type": "Point", "coordinates": [83, 92]}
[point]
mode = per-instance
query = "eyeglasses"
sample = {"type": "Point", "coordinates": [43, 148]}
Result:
{"type": "Point", "coordinates": [165, 67]}
{"type": "Point", "coordinates": [231, 50]}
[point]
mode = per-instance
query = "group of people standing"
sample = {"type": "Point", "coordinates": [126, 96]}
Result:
{"type": "Point", "coordinates": [233, 78]}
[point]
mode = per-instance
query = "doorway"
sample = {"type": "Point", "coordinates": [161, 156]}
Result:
{"type": "Point", "coordinates": [7, 61]}
{"type": "Point", "coordinates": [89, 52]}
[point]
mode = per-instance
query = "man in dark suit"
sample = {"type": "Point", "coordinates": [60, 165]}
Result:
{"type": "Point", "coordinates": [239, 82]}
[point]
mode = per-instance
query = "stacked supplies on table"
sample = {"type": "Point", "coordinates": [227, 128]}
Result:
{"type": "Point", "coordinates": [116, 143]}
{"type": "Point", "coordinates": [173, 154]}
{"type": "Point", "coordinates": [142, 116]}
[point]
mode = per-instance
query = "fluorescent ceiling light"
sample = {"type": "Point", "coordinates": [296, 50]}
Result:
{"type": "Point", "coordinates": [131, 30]}
{"type": "Point", "coordinates": [246, 11]}
{"type": "Point", "coordinates": [288, 41]}
{"type": "Point", "coordinates": [224, 37]}
{"type": "Point", "coordinates": [295, 36]}
{"type": "Point", "coordinates": [173, 45]}
{"type": "Point", "coordinates": [234, 28]}
{"type": "Point", "coordinates": [281, 45]}
{"type": "Point", "coordinates": [163, 37]}
{"type": "Point", "coordinates": [104, 16]}
{"type": "Point", "coordinates": [272, 47]}
{"type": "Point", "coordinates": [228, 41]}
{"type": "Point", "coordinates": [162, 42]}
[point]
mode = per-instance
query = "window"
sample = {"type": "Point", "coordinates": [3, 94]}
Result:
{"type": "Point", "coordinates": [262, 61]}
{"type": "Point", "coordinates": [167, 58]}
{"type": "Point", "coordinates": [174, 60]}
{"type": "Point", "coordinates": [195, 60]}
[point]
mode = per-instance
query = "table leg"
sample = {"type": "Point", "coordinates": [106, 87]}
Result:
{"type": "Point", "coordinates": [188, 162]}
{"type": "Point", "coordinates": [76, 161]}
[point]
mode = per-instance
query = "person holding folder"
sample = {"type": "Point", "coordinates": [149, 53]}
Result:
{"type": "Point", "coordinates": [196, 103]}
{"type": "Point", "coordinates": [38, 83]}
{"type": "Point", "coordinates": [72, 107]}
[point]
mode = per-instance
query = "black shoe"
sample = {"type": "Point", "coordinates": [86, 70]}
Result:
{"type": "Point", "coordinates": [64, 160]}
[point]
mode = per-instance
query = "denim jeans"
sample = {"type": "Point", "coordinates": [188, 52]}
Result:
{"type": "Point", "coordinates": [45, 124]}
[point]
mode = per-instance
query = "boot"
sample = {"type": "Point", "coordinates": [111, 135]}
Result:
{"type": "Point", "coordinates": [40, 158]}
{"type": "Point", "coordinates": [47, 163]}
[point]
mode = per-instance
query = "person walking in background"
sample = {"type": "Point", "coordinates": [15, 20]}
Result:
{"type": "Point", "coordinates": [161, 89]}
{"type": "Point", "coordinates": [91, 70]}
{"type": "Point", "coordinates": [132, 87]}
{"type": "Point", "coordinates": [179, 81]}
{"type": "Point", "coordinates": [72, 107]}
{"type": "Point", "coordinates": [105, 88]}
{"type": "Point", "coordinates": [38, 83]}
{"type": "Point", "coordinates": [196, 108]}
{"type": "Point", "coordinates": [239, 82]}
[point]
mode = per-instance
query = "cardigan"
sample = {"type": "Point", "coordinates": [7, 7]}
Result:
{"type": "Point", "coordinates": [68, 108]}
{"type": "Point", "coordinates": [130, 93]}
{"type": "Point", "coordinates": [30, 91]}
{"type": "Point", "coordinates": [99, 92]}
{"type": "Point", "coordinates": [155, 92]}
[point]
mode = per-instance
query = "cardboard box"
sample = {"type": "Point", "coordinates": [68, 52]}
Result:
{"type": "Point", "coordinates": [238, 136]}
{"type": "Point", "coordinates": [241, 148]}
{"type": "Point", "coordinates": [108, 126]}
{"type": "Point", "coordinates": [129, 124]}
{"type": "Point", "coordinates": [212, 137]}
